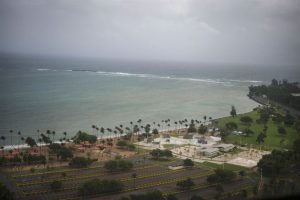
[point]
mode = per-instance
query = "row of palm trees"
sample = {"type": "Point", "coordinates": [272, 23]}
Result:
{"type": "Point", "coordinates": [133, 129]}
{"type": "Point", "coordinates": [41, 137]}
{"type": "Point", "coordinates": [138, 127]}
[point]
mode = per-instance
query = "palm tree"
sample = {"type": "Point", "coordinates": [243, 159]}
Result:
{"type": "Point", "coordinates": [53, 134]}
{"type": "Point", "coordinates": [97, 129]}
{"type": "Point", "coordinates": [3, 138]}
{"type": "Point", "coordinates": [93, 127]}
{"type": "Point", "coordinates": [11, 132]}
{"type": "Point", "coordinates": [40, 141]}
{"type": "Point", "coordinates": [102, 130]}
{"type": "Point", "coordinates": [204, 117]}
{"type": "Point", "coordinates": [19, 134]}
{"type": "Point", "coordinates": [23, 139]}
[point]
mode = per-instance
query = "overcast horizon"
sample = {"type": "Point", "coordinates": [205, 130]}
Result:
{"type": "Point", "coordinates": [246, 32]}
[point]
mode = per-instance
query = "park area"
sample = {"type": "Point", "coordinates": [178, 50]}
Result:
{"type": "Point", "coordinates": [147, 174]}
{"type": "Point", "coordinates": [277, 128]}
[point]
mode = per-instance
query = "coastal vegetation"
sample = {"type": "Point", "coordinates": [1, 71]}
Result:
{"type": "Point", "coordinates": [282, 92]}
{"type": "Point", "coordinates": [84, 137]}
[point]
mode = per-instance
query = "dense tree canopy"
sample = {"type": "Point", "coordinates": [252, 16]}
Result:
{"type": "Point", "coordinates": [80, 162]}
{"type": "Point", "coordinates": [157, 153]}
{"type": "Point", "coordinates": [221, 175]}
{"type": "Point", "coordinates": [30, 141]}
{"type": "Point", "coordinates": [188, 162]}
{"type": "Point", "coordinates": [279, 91]}
{"type": "Point", "coordinates": [82, 137]}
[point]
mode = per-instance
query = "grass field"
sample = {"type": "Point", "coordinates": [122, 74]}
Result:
{"type": "Point", "coordinates": [272, 141]}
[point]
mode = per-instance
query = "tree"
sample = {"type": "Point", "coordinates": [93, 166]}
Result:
{"type": "Point", "coordinates": [3, 138]}
{"type": "Point", "coordinates": [11, 136]}
{"type": "Point", "coordinates": [118, 165]}
{"type": "Point", "coordinates": [82, 137]}
{"type": "Point", "coordinates": [281, 131]}
{"type": "Point", "coordinates": [171, 197]}
{"type": "Point", "coordinates": [260, 138]}
{"type": "Point", "coordinates": [157, 153]}
{"type": "Point", "coordinates": [233, 111]}
{"type": "Point", "coordinates": [202, 129]}
{"type": "Point", "coordinates": [196, 197]}
{"type": "Point", "coordinates": [155, 131]}
{"type": "Point", "coordinates": [5, 194]}
{"type": "Point", "coordinates": [185, 184]}
{"type": "Point", "coordinates": [221, 175]}
{"type": "Point", "coordinates": [231, 125]}
{"type": "Point", "coordinates": [188, 162]}
{"type": "Point", "coordinates": [192, 127]}
{"type": "Point", "coordinates": [65, 153]}
{"type": "Point", "coordinates": [30, 141]}
{"type": "Point", "coordinates": [80, 162]}
{"type": "Point", "coordinates": [248, 132]}
{"type": "Point", "coordinates": [246, 120]}
{"type": "Point", "coordinates": [56, 185]}
{"type": "Point", "coordinates": [289, 120]}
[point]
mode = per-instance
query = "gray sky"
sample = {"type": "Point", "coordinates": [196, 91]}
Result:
{"type": "Point", "coordinates": [230, 31]}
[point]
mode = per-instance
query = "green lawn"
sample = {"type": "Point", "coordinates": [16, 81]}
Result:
{"type": "Point", "coordinates": [272, 141]}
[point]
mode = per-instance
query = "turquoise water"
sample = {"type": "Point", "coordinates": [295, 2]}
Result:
{"type": "Point", "coordinates": [60, 98]}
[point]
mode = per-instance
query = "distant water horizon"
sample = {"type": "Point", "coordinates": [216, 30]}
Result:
{"type": "Point", "coordinates": [71, 96]}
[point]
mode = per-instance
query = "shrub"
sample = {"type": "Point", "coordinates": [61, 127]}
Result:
{"type": "Point", "coordinates": [281, 130]}
{"type": "Point", "coordinates": [221, 176]}
{"type": "Point", "coordinates": [80, 162]}
{"type": "Point", "coordinates": [56, 185]}
{"type": "Point", "coordinates": [188, 162]}
{"type": "Point", "coordinates": [246, 120]}
{"type": "Point", "coordinates": [34, 159]}
{"type": "Point", "coordinates": [185, 184]}
{"type": "Point", "coordinates": [157, 153]}
{"type": "Point", "coordinates": [118, 165]}
{"type": "Point", "coordinates": [231, 125]}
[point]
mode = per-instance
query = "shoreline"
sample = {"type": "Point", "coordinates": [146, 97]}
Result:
{"type": "Point", "coordinates": [25, 146]}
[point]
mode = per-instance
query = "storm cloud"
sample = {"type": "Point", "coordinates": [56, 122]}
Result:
{"type": "Point", "coordinates": [262, 32]}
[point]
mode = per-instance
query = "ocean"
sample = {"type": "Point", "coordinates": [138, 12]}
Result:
{"type": "Point", "coordinates": [73, 94]}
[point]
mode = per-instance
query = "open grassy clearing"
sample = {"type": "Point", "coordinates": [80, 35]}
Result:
{"type": "Point", "coordinates": [272, 141]}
